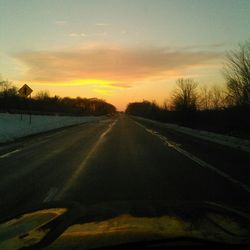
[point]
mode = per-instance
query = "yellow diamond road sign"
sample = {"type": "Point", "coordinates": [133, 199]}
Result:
{"type": "Point", "coordinates": [25, 90]}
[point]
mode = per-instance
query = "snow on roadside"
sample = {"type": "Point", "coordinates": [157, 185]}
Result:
{"type": "Point", "coordinates": [225, 140]}
{"type": "Point", "coordinates": [12, 127]}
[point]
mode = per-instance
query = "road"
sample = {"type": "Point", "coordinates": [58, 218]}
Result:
{"type": "Point", "coordinates": [119, 159]}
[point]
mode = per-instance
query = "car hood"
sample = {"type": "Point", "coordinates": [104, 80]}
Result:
{"type": "Point", "coordinates": [58, 226]}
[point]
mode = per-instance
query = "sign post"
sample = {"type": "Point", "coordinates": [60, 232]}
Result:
{"type": "Point", "coordinates": [25, 91]}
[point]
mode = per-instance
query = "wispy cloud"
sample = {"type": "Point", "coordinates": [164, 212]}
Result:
{"type": "Point", "coordinates": [61, 22]}
{"type": "Point", "coordinates": [124, 32]}
{"type": "Point", "coordinates": [102, 24]}
{"type": "Point", "coordinates": [120, 67]}
{"type": "Point", "coordinates": [74, 34]}
{"type": "Point", "coordinates": [205, 46]}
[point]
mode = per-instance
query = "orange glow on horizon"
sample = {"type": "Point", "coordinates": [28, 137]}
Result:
{"type": "Point", "coordinates": [79, 82]}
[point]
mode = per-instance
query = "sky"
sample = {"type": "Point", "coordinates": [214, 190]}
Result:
{"type": "Point", "coordinates": [118, 50]}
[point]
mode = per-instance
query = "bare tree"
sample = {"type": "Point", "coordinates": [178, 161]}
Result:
{"type": "Point", "coordinates": [42, 95]}
{"type": "Point", "coordinates": [185, 97]}
{"type": "Point", "coordinates": [7, 88]}
{"type": "Point", "coordinates": [218, 97]}
{"type": "Point", "coordinates": [4, 85]}
{"type": "Point", "coordinates": [212, 97]}
{"type": "Point", "coordinates": [166, 105]}
{"type": "Point", "coordinates": [205, 97]}
{"type": "Point", "coordinates": [237, 74]}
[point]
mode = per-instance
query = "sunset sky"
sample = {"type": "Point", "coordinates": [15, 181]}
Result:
{"type": "Point", "coordinates": [118, 50]}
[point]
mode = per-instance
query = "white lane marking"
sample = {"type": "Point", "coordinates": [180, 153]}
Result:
{"type": "Point", "coordinates": [231, 209]}
{"type": "Point", "coordinates": [200, 162]}
{"type": "Point", "coordinates": [84, 162]}
{"type": "Point", "coordinates": [9, 153]}
{"type": "Point", "coordinates": [51, 194]}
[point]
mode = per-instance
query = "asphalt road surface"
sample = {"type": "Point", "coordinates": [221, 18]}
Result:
{"type": "Point", "coordinates": [118, 159]}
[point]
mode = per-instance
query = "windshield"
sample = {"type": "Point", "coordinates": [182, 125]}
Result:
{"type": "Point", "coordinates": [115, 102]}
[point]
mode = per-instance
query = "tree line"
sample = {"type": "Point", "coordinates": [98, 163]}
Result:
{"type": "Point", "coordinates": [224, 109]}
{"type": "Point", "coordinates": [43, 103]}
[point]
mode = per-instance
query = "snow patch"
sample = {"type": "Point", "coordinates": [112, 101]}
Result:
{"type": "Point", "coordinates": [225, 140]}
{"type": "Point", "coordinates": [12, 127]}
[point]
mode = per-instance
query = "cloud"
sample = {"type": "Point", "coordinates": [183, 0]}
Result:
{"type": "Point", "coordinates": [73, 34]}
{"type": "Point", "coordinates": [113, 65]}
{"type": "Point", "coordinates": [61, 22]}
{"type": "Point", "coordinates": [77, 34]}
{"type": "Point", "coordinates": [124, 32]}
{"type": "Point", "coordinates": [102, 24]}
{"type": "Point", "coordinates": [205, 46]}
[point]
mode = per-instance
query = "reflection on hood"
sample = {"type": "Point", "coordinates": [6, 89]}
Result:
{"type": "Point", "coordinates": [122, 222]}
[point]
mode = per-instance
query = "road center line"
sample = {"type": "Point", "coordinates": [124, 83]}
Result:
{"type": "Point", "coordinates": [84, 162]}
{"type": "Point", "coordinates": [9, 153]}
{"type": "Point", "coordinates": [200, 162]}
{"type": "Point", "coordinates": [51, 194]}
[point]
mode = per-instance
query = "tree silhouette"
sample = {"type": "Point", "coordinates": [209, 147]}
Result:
{"type": "Point", "coordinates": [237, 74]}
{"type": "Point", "coordinates": [185, 96]}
